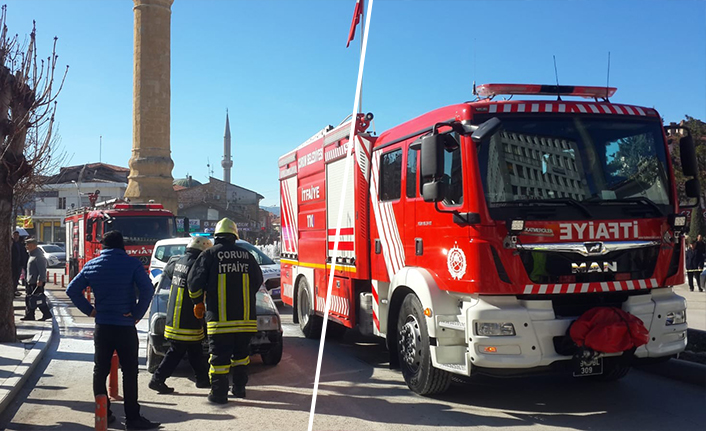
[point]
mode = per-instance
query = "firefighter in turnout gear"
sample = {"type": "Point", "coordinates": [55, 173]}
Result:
{"type": "Point", "coordinates": [230, 277]}
{"type": "Point", "coordinates": [183, 329]}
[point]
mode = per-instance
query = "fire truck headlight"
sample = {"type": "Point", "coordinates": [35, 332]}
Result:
{"type": "Point", "coordinates": [675, 318]}
{"type": "Point", "coordinates": [268, 323]}
{"type": "Point", "coordinates": [515, 226]}
{"type": "Point", "coordinates": [492, 329]}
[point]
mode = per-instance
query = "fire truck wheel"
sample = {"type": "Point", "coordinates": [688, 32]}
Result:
{"type": "Point", "coordinates": [152, 359]}
{"type": "Point", "coordinates": [309, 322]}
{"type": "Point", "coordinates": [413, 351]}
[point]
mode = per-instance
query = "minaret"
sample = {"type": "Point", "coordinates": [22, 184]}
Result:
{"type": "Point", "coordinates": [227, 163]}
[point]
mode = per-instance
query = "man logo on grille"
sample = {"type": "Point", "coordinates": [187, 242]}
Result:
{"type": "Point", "coordinates": [456, 262]}
{"type": "Point", "coordinates": [593, 247]}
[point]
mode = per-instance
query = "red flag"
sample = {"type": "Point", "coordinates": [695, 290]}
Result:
{"type": "Point", "coordinates": [356, 19]}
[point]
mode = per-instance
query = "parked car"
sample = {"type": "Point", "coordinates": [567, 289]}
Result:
{"type": "Point", "coordinates": [267, 342]}
{"type": "Point", "coordinates": [166, 248]}
{"type": "Point", "coordinates": [54, 255]}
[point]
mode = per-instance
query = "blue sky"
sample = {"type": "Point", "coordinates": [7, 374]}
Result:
{"type": "Point", "coordinates": [282, 69]}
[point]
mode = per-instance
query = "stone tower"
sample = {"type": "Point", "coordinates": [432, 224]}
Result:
{"type": "Point", "coordinates": [151, 163]}
{"type": "Point", "coordinates": [227, 161]}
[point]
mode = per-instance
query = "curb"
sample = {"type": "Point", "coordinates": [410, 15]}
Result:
{"type": "Point", "coordinates": [678, 369]}
{"type": "Point", "coordinates": [27, 366]}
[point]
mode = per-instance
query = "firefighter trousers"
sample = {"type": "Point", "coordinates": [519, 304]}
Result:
{"type": "Point", "coordinates": [174, 355]}
{"type": "Point", "coordinates": [229, 353]}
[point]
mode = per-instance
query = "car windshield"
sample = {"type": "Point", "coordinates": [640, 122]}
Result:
{"type": "Point", "coordinates": [142, 230]}
{"type": "Point", "coordinates": [164, 252]}
{"type": "Point", "coordinates": [260, 257]}
{"type": "Point", "coordinates": [575, 167]}
{"type": "Point", "coordinates": [51, 249]}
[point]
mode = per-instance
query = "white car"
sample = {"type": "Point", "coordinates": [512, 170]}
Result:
{"type": "Point", "coordinates": [166, 248]}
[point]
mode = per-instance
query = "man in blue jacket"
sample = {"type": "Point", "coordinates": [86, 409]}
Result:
{"type": "Point", "coordinates": [115, 280]}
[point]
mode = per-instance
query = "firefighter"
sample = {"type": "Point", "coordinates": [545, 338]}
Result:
{"type": "Point", "coordinates": [182, 329]}
{"type": "Point", "coordinates": [229, 276]}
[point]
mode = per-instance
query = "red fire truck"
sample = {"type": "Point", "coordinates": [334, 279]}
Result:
{"type": "Point", "coordinates": [141, 225]}
{"type": "Point", "coordinates": [475, 234]}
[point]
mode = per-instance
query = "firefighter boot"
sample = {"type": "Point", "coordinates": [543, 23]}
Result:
{"type": "Point", "coordinates": [219, 389]}
{"type": "Point", "coordinates": [240, 379]}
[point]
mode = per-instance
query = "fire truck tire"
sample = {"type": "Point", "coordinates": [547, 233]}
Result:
{"type": "Point", "coordinates": [413, 351]}
{"type": "Point", "coordinates": [273, 356]}
{"type": "Point", "coordinates": [152, 359]}
{"type": "Point", "coordinates": [309, 322]}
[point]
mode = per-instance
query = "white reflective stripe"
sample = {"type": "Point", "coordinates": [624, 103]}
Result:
{"type": "Point", "coordinates": [562, 107]}
{"type": "Point", "coordinates": [528, 289]}
{"type": "Point", "coordinates": [653, 282]}
{"type": "Point", "coordinates": [572, 288]}
{"type": "Point", "coordinates": [507, 108]}
{"type": "Point", "coordinates": [493, 108]}
{"type": "Point", "coordinates": [617, 108]}
{"type": "Point", "coordinates": [378, 216]}
{"type": "Point", "coordinates": [581, 108]}
{"type": "Point", "coordinates": [629, 109]}
{"type": "Point", "coordinates": [535, 107]}
{"type": "Point", "coordinates": [521, 107]}
{"type": "Point", "coordinates": [547, 107]}
{"type": "Point", "coordinates": [557, 288]}
{"type": "Point", "coordinates": [617, 285]}
{"type": "Point", "coordinates": [594, 108]}
{"type": "Point", "coordinates": [643, 285]}
{"type": "Point", "coordinates": [543, 288]}
{"type": "Point", "coordinates": [630, 285]}
{"type": "Point", "coordinates": [606, 109]}
{"type": "Point", "coordinates": [584, 287]}
{"type": "Point", "coordinates": [388, 222]}
{"type": "Point", "coordinates": [640, 111]}
{"type": "Point", "coordinates": [604, 287]}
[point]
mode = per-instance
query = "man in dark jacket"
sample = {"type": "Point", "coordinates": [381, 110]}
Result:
{"type": "Point", "coordinates": [36, 278]}
{"type": "Point", "coordinates": [230, 277]}
{"type": "Point", "coordinates": [115, 279]}
{"type": "Point", "coordinates": [19, 260]}
{"type": "Point", "coordinates": [694, 263]}
{"type": "Point", "coordinates": [183, 330]}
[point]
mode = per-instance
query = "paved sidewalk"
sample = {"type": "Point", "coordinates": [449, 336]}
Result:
{"type": "Point", "coordinates": [18, 360]}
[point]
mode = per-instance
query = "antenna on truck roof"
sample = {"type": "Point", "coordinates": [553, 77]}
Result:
{"type": "Point", "coordinates": [556, 75]}
{"type": "Point", "coordinates": [607, 82]}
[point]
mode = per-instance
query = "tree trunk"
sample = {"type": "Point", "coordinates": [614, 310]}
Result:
{"type": "Point", "coordinates": [8, 332]}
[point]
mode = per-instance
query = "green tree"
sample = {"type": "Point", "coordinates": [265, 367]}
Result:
{"type": "Point", "coordinates": [698, 227]}
{"type": "Point", "coordinates": [698, 132]}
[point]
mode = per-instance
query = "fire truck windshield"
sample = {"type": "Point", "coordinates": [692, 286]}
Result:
{"type": "Point", "coordinates": [575, 167]}
{"type": "Point", "coordinates": [142, 230]}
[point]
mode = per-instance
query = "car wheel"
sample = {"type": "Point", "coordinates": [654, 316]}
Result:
{"type": "Point", "coordinates": [413, 351]}
{"type": "Point", "coordinates": [309, 322]}
{"type": "Point", "coordinates": [152, 359]}
{"type": "Point", "coordinates": [273, 356]}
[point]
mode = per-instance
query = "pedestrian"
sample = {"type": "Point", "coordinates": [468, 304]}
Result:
{"type": "Point", "coordinates": [115, 279]}
{"type": "Point", "coordinates": [19, 260]}
{"type": "Point", "coordinates": [693, 269]}
{"type": "Point", "coordinates": [230, 277]}
{"type": "Point", "coordinates": [35, 280]}
{"type": "Point", "coordinates": [183, 330]}
{"type": "Point", "coordinates": [701, 250]}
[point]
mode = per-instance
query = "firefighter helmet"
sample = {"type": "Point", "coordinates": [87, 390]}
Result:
{"type": "Point", "coordinates": [226, 226]}
{"type": "Point", "coordinates": [199, 243]}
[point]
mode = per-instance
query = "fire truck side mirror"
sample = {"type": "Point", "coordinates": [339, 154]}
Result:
{"type": "Point", "coordinates": [432, 155]}
{"type": "Point", "coordinates": [486, 130]}
{"type": "Point", "coordinates": [692, 190]}
{"type": "Point", "coordinates": [433, 191]}
{"type": "Point", "coordinates": [688, 156]}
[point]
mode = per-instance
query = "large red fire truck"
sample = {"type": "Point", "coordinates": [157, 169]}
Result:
{"type": "Point", "coordinates": [475, 234]}
{"type": "Point", "coordinates": [141, 225]}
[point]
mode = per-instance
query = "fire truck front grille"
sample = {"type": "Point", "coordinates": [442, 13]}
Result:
{"type": "Point", "coordinates": [546, 267]}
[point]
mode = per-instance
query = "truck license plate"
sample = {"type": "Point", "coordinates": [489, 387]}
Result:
{"type": "Point", "coordinates": [588, 367]}
{"type": "Point", "coordinates": [275, 292]}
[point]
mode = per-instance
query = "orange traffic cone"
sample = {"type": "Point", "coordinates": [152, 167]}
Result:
{"type": "Point", "coordinates": [101, 413]}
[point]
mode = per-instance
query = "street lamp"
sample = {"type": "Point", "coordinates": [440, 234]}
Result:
{"type": "Point", "coordinates": [78, 194]}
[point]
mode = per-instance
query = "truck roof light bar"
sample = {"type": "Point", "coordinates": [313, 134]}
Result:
{"type": "Point", "coordinates": [491, 90]}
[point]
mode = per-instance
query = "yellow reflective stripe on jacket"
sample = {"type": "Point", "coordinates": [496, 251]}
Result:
{"type": "Point", "coordinates": [194, 295]}
{"type": "Point", "coordinates": [231, 327]}
{"type": "Point", "coordinates": [180, 337]}
{"type": "Point", "coordinates": [222, 316]}
{"type": "Point", "coordinates": [219, 369]}
{"type": "Point", "coordinates": [246, 296]}
{"type": "Point", "coordinates": [240, 362]}
{"type": "Point", "coordinates": [184, 330]}
{"type": "Point", "coordinates": [177, 307]}
{"type": "Point", "coordinates": [231, 323]}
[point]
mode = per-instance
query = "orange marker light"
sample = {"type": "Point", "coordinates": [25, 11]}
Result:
{"type": "Point", "coordinates": [427, 312]}
{"type": "Point", "coordinates": [490, 349]}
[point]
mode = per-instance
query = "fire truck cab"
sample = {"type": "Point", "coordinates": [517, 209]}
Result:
{"type": "Point", "coordinates": [141, 225]}
{"type": "Point", "coordinates": [474, 235]}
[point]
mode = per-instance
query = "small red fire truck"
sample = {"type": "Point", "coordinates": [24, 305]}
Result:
{"type": "Point", "coordinates": [141, 225]}
{"type": "Point", "coordinates": [475, 234]}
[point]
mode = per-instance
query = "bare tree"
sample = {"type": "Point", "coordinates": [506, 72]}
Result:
{"type": "Point", "coordinates": [27, 108]}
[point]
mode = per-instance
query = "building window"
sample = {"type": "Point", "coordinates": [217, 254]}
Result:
{"type": "Point", "coordinates": [61, 204]}
{"type": "Point", "coordinates": [390, 175]}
